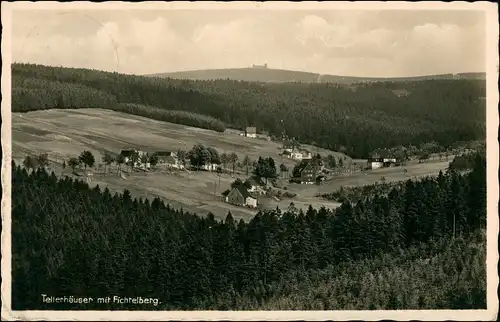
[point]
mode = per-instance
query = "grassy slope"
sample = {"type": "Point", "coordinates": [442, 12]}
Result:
{"type": "Point", "coordinates": [280, 76]}
{"type": "Point", "coordinates": [65, 133]}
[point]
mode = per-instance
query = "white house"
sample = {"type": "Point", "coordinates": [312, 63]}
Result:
{"type": "Point", "coordinates": [251, 132]}
{"type": "Point", "coordinates": [251, 202]}
{"type": "Point", "coordinates": [376, 163]}
{"type": "Point", "coordinates": [295, 154]}
{"type": "Point", "coordinates": [210, 166]}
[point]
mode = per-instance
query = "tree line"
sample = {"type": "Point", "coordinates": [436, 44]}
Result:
{"type": "Point", "coordinates": [199, 156]}
{"type": "Point", "coordinates": [353, 119]}
{"type": "Point", "coordinates": [31, 94]}
{"type": "Point", "coordinates": [62, 244]}
{"type": "Point", "coordinates": [426, 149]}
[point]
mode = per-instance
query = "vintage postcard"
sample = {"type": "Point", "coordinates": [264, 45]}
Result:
{"type": "Point", "coordinates": [249, 161]}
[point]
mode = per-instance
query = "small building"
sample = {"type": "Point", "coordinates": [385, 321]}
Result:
{"type": "Point", "coordinates": [288, 147]}
{"type": "Point", "coordinates": [296, 154]}
{"type": "Point", "coordinates": [260, 66]}
{"type": "Point", "coordinates": [379, 162]}
{"type": "Point", "coordinates": [210, 166]}
{"type": "Point", "coordinates": [307, 171]}
{"type": "Point", "coordinates": [306, 154]}
{"type": "Point", "coordinates": [240, 196]}
{"type": "Point", "coordinates": [390, 162]}
{"type": "Point", "coordinates": [251, 132]}
{"type": "Point", "coordinates": [128, 154]}
{"type": "Point", "coordinates": [170, 159]}
{"type": "Point", "coordinates": [375, 163]}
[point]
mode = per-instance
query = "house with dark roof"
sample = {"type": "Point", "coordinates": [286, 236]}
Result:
{"type": "Point", "coordinates": [240, 196]}
{"type": "Point", "coordinates": [129, 154]}
{"type": "Point", "coordinates": [168, 158]}
{"type": "Point", "coordinates": [307, 171]}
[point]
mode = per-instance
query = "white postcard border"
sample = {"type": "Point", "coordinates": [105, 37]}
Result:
{"type": "Point", "coordinates": [492, 167]}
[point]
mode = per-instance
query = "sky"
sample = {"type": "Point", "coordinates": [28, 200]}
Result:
{"type": "Point", "coordinates": [339, 42]}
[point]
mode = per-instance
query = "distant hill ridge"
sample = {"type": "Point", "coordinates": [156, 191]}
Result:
{"type": "Point", "coordinates": [269, 75]}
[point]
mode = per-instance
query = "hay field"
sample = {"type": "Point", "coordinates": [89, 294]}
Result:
{"type": "Point", "coordinates": [66, 133]}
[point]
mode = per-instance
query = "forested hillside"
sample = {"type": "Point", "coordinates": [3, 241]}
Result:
{"type": "Point", "coordinates": [354, 119]}
{"type": "Point", "coordinates": [245, 74]}
{"type": "Point", "coordinates": [271, 75]}
{"type": "Point", "coordinates": [420, 246]}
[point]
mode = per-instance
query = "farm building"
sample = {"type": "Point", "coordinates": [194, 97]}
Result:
{"type": "Point", "coordinates": [255, 187]}
{"type": "Point", "coordinates": [210, 166]}
{"type": "Point", "coordinates": [375, 163]}
{"type": "Point", "coordinates": [296, 154]}
{"type": "Point", "coordinates": [378, 162]}
{"type": "Point", "coordinates": [170, 159]}
{"type": "Point", "coordinates": [128, 155]}
{"type": "Point", "coordinates": [290, 145]}
{"type": "Point", "coordinates": [251, 132]}
{"type": "Point", "coordinates": [240, 196]}
{"type": "Point", "coordinates": [307, 171]}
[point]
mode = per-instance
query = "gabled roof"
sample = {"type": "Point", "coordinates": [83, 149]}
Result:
{"type": "Point", "coordinates": [165, 153]}
{"type": "Point", "coordinates": [303, 164]}
{"type": "Point", "coordinates": [244, 192]}
{"type": "Point", "coordinates": [127, 153]}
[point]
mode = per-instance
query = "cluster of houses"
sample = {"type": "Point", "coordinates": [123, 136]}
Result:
{"type": "Point", "coordinates": [292, 151]}
{"type": "Point", "coordinates": [308, 171]}
{"type": "Point", "coordinates": [169, 159]}
{"type": "Point", "coordinates": [142, 161]}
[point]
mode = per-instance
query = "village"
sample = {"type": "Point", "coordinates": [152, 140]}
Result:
{"type": "Point", "coordinates": [308, 168]}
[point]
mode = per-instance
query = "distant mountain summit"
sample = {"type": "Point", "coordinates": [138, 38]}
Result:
{"type": "Point", "coordinates": [262, 73]}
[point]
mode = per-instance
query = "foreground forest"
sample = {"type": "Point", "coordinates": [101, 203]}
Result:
{"type": "Point", "coordinates": [355, 119]}
{"type": "Point", "coordinates": [421, 246]}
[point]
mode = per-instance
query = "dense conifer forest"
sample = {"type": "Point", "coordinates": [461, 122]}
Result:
{"type": "Point", "coordinates": [351, 118]}
{"type": "Point", "coordinates": [419, 246]}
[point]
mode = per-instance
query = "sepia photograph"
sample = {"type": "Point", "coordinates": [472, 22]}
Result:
{"type": "Point", "coordinates": [249, 160]}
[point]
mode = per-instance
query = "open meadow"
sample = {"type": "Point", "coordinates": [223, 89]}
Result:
{"type": "Point", "coordinates": [66, 133]}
